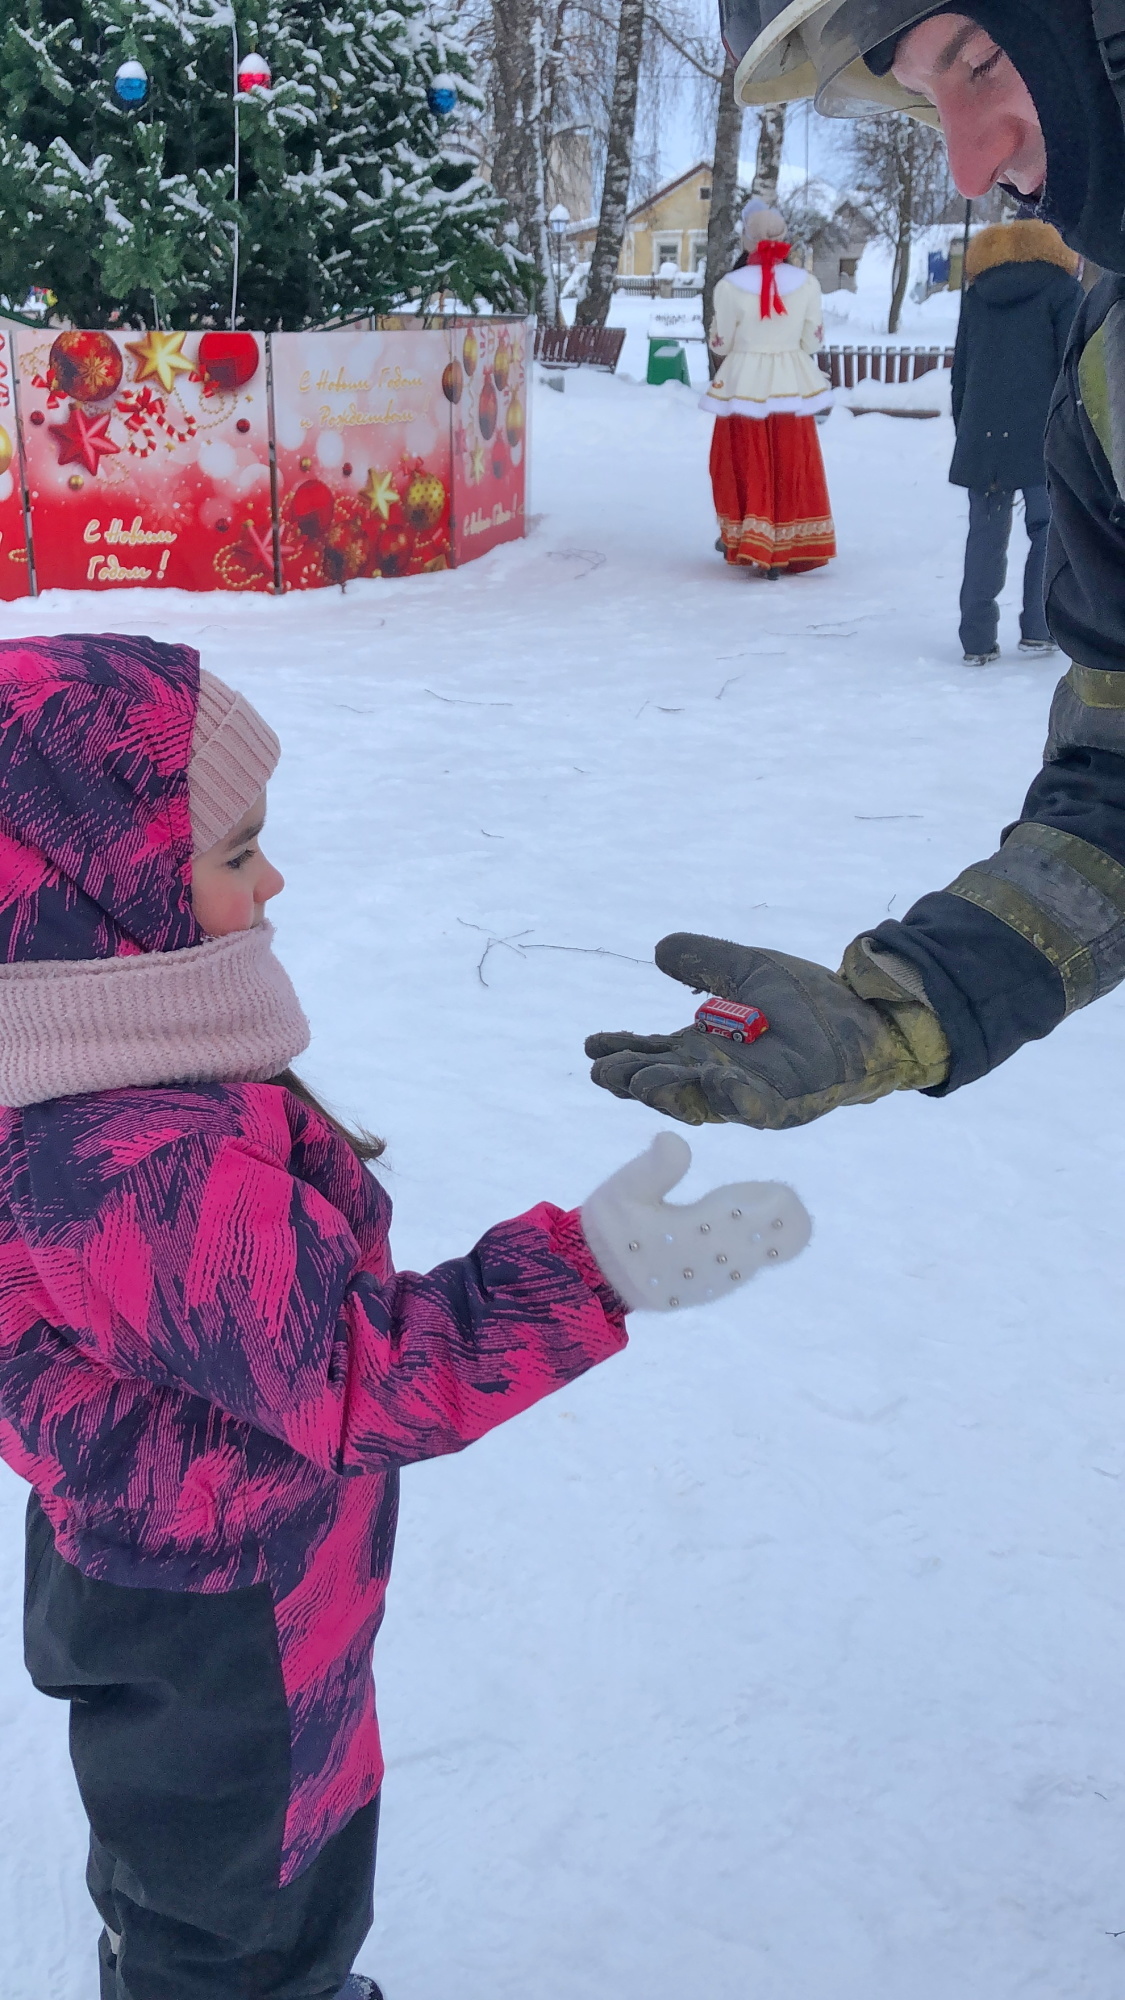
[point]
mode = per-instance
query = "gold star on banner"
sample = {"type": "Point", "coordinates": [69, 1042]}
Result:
{"type": "Point", "coordinates": [476, 458]}
{"type": "Point", "coordinates": [162, 355]}
{"type": "Point", "coordinates": [379, 492]}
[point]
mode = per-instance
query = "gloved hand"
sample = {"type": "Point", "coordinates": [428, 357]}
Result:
{"type": "Point", "coordinates": [658, 1257]}
{"type": "Point", "coordinates": [843, 1037]}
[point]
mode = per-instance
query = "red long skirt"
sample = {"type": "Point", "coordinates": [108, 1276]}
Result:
{"type": "Point", "coordinates": [771, 495]}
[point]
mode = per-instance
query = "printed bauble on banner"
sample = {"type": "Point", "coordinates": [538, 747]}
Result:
{"type": "Point", "coordinates": [15, 579]}
{"type": "Point", "coordinates": [143, 465]}
{"type": "Point", "coordinates": [85, 366]}
{"type": "Point", "coordinates": [228, 360]}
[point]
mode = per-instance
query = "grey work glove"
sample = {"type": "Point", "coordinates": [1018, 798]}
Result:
{"type": "Point", "coordinates": [659, 1255]}
{"type": "Point", "coordinates": [843, 1037]}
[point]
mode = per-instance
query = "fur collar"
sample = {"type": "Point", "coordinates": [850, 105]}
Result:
{"type": "Point", "coordinates": [1029, 242]}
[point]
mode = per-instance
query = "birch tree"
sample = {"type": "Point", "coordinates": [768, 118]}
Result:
{"type": "Point", "coordinates": [767, 164]}
{"type": "Point", "coordinates": [523, 52]}
{"type": "Point", "coordinates": [726, 196]}
{"type": "Point", "coordinates": [593, 309]}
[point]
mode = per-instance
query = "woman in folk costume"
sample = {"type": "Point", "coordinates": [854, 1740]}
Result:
{"type": "Point", "coordinates": [767, 473]}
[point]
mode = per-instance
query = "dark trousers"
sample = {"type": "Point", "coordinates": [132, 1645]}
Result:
{"type": "Point", "coordinates": [986, 566]}
{"type": "Point", "coordinates": [179, 1738]}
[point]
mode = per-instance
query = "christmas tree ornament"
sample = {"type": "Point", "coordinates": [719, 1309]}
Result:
{"type": "Point", "coordinates": [514, 422]}
{"type": "Point", "coordinates": [395, 551]}
{"type": "Point", "coordinates": [160, 355]}
{"type": "Point", "coordinates": [7, 451]}
{"type": "Point", "coordinates": [76, 482]}
{"type": "Point", "coordinates": [346, 470]}
{"type": "Point", "coordinates": [470, 352]}
{"type": "Point", "coordinates": [227, 360]}
{"type": "Point", "coordinates": [83, 439]}
{"type": "Point", "coordinates": [502, 364]}
{"type": "Point", "coordinates": [425, 501]}
{"type": "Point", "coordinates": [312, 505]}
{"type": "Point", "coordinates": [37, 417]}
{"type": "Point", "coordinates": [442, 96]}
{"type": "Point", "coordinates": [380, 493]}
{"type": "Point", "coordinates": [131, 82]}
{"type": "Point", "coordinates": [453, 382]}
{"type": "Point", "coordinates": [86, 367]}
{"type": "Point", "coordinates": [253, 73]}
{"type": "Point", "coordinates": [488, 409]}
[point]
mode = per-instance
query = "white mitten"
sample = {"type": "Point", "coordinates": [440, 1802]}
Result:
{"type": "Point", "coordinates": [658, 1257]}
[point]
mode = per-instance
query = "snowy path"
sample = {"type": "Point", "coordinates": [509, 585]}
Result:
{"type": "Point", "coordinates": [782, 1657]}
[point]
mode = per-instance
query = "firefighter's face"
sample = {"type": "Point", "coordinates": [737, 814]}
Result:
{"type": "Point", "coordinates": [990, 124]}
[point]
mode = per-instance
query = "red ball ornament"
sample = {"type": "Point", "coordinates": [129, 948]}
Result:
{"type": "Point", "coordinates": [453, 382]}
{"type": "Point", "coordinates": [488, 409]}
{"type": "Point", "coordinates": [228, 360]}
{"type": "Point", "coordinates": [222, 527]}
{"type": "Point", "coordinates": [243, 425]}
{"type": "Point", "coordinates": [253, 73]}
{"type": "Point", "coordinates": [37, 417]}
{"type": "Point", "coordinates": [312, 506]}
{"type": "Point", "coordinates": [85, 366]}
{"type": "Point", "coordinates": [346, 470]}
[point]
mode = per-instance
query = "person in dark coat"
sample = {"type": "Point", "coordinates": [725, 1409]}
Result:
{"type": "Point", "coordinates": [1021, 295]}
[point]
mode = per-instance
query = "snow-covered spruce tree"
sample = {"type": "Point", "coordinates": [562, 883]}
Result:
{"type": "Point", "coordinates": [351, 196]}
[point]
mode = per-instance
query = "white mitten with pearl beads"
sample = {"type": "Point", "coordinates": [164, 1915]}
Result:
{"type": "Point", "coordinates": [658, 1257]}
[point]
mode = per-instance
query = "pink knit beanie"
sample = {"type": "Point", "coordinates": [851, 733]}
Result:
{"type": "Point", "coordinates": [233, 756]}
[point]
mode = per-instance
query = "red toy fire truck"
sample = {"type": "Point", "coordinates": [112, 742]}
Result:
{"type": "Point", "coordinates": [732, 1019]}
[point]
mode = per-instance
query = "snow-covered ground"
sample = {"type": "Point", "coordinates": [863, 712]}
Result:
{"type": "Point", "coordinates": [782, 1656]}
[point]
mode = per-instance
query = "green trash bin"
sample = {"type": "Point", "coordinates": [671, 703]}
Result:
{"type": "Point", "coordinates": [667, 361]}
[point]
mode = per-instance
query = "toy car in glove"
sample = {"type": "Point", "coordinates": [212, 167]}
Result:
{"type": "Point", "coordinates": [732, 1019]}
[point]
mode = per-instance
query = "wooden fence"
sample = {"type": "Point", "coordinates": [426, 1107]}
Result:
{"type": "Point", "coordinates": [845, 366]}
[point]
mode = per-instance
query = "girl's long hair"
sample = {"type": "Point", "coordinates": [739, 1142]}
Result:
{"type": "Point", "coordinates": [363, 1144]}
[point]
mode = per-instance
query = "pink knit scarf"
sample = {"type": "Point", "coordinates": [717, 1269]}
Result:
{"type": "Point", "coordinates": [218, 1012]}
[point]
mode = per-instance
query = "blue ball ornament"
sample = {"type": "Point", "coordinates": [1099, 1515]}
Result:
{"type": "Point", "coordinates": [131, 82]}
{"type": "Point", "coordinates": [442, 96]}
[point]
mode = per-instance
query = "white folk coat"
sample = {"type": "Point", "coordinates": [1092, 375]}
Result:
{"type": "Point", "coordinates": [768, 366]}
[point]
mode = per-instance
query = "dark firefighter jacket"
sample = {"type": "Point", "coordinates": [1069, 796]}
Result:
{"type": "Point", "coordinates": [1038, 929]}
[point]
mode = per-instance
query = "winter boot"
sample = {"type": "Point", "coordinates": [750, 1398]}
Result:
{"type": "Point", "coordinates": [982, 659]}
{"type": "Point", "coordinates": [1043, 647]}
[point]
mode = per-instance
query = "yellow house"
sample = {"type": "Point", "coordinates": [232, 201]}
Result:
{"type": "Point", "coordinates": [669, 228]}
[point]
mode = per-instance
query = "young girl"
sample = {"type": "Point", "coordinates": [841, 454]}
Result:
{"type": "Point", "coordinates": [210, 1372]}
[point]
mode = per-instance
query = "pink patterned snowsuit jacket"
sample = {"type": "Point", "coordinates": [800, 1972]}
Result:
{"type": "Point", "coordinates": [209, 1370]}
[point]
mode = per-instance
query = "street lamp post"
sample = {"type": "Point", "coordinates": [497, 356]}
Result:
{"type": "Point", "coordinates": [558, 223]}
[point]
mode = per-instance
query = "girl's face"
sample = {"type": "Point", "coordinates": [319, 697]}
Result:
{"type": "Point", "coordinates": [232, 882]}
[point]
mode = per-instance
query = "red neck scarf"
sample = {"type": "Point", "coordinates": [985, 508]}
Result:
{"type": "Point", "coordinates": [768, 255]}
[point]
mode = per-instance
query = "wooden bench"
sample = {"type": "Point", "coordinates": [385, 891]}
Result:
{"type": "Point", "coordinates": [579, 346]}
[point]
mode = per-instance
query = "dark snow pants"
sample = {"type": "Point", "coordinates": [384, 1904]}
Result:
{"type": "Point", "coordinates": [179, 1738]}
{"type": "Point", "coordinates": [986, 566]}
